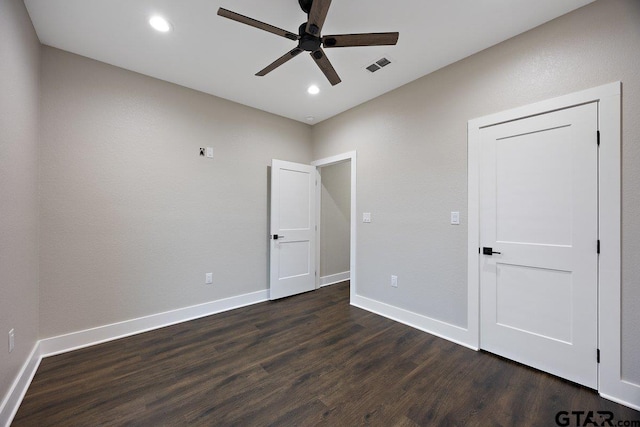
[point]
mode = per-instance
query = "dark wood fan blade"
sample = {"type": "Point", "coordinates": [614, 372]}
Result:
{"type": "Point", "coordinates": [278, 62]}
{"type": "Point", "coordinates": [326, 67]}
{"type": "Point", "coordinates": [317, 15]}
{"type": "Point", "coordinates": [366, 39]}
{"type": "Point", "coordinates": [257, 24]}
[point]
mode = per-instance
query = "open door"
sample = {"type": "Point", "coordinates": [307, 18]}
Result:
{"type": "Point", "coordinates": [293, 229]}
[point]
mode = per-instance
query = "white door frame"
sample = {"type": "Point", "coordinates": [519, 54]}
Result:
{"type": "Point", "coordinates": [610, 383]}
{"type": "Point", "coordinates": [328, 161]}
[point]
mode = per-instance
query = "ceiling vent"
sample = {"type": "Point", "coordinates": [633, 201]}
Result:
{"type": "Point", "coordinates": [373, 68]}
{"type": "Point", "coordinates": [382, 62]}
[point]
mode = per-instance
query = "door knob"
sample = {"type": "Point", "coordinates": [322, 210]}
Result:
{"type": "Point", "coordinates": [489, 251]}
{"type": "Point", "coordinates": [276, 237]}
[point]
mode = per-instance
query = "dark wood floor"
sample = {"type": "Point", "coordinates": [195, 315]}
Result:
{"type": "Point", "coordinates": [306, 360]}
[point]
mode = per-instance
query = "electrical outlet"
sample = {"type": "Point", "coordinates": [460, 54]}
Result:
{"type": "Point", "coordinates": [12, 337]}
{"type": "Point", "coordinates": [366, 217]}
{"type": "Point", "coordinates": [208, 278]}
{"type": "Point", "coordinates": [394, 281]}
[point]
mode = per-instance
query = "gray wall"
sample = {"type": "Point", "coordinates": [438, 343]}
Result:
{"type": "Point", "coordinates": [335, 217]}
{"type": "Point", "coordinates": [412, 157]}
{"type": "Point", "coordinates": [131, 217]}
{"type": "Point", "coordinates": [19, 100]}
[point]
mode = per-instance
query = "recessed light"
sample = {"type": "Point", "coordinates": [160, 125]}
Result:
{"type": "Point", "coordinates": [160, 24]}
{"type": "Point", "coordinates": [313, 90]}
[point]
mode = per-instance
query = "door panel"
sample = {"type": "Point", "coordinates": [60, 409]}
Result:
{"type": "Point", "coordinates": [523, 303]}
{"type": "Point", "coordinates": [293, 201]}
{"type": "Point", "coordinates": [539, 211]}
{"type": "Point", "coordinates": [292, 254]}
{"type": "Point", "coordinates": [534, 186]}
{"type": "Point", "coordinates": [294, 259]}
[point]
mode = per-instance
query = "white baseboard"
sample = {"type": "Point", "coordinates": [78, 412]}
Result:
{"type": "Point", "coordinates": [12, 400]}
{"type": "Point", "coordinates": [435, 327]}
{"type": "Point", "coordinates": [332, 279]}
{"type": "Point", "coordinates": [620, 401]}
{"type": "Point", "coordinates": [626, 393]}
{"type": "Point", "coordinates": [75, 340]}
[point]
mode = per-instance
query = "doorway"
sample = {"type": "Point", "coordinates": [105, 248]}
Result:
{"type": "Point", "coordinates": [539, 234]}
{"type": "Point", "coordinates": [334, 223]}
{"type": "Point", "coordinates": [341, 172]}
{"type": "Point", "coordinates": [607, 98]}
{"type": "Point", "coordinates": [295, 211]}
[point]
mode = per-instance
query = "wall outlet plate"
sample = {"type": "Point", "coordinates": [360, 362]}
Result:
{"type": "Point", "coordinates": [12, 337]}
{"type": "Point", "coordinates": [455, 218]}
{"type": "Point", "coordinates": [394, 281]}
{"type": "Point", "coordinates": [208, 278]}
{"type": "Point", "coordinates": [366, 217]}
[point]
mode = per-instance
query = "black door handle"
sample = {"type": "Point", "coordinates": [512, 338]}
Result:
{"type": "Point", "coordinates": [489, 251]}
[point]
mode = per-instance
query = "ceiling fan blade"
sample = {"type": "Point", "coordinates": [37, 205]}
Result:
{"type": "Point", "coordinates": [366, 39]}
{"type": "Point", "coordinates": [317, 15]}
{"type": "Point", "coordinates": [278, 62]}
{"type": "Point", "coordinates": [257, 24]}
{"type": "Point", "coordinates": [326, 67]}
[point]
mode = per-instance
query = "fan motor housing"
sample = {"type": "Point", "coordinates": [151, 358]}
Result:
{"type": "Point", "coordinates": [307, 41]}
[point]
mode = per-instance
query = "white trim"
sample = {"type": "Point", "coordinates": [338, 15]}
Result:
{"type": "Point", "coordinates": [473, 234]}
{"type": "Point", "coordinates": [318, 225]}
{"type": "Point", "coordinates": [328, 161]}
{"type": "Point", "coordinates": [611, 385]}
{"type": "Point", "coordinates": [332, 279]}
{"type": "Point", "coordinates": [566, 101]}
{"type": "Point", "coordinates": [88, 337]}
{"type": "Point", "coordinates": [432, 326]}
{"type": "Point", "coordinates": [620, 401]}
{"type": "Point", "coordinates": [81, 339]}
{"type": "Point", "coordinates": [13, 399]}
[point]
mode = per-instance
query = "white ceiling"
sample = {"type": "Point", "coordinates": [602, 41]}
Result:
{"type": "Point", "coordinates": [218, 56]}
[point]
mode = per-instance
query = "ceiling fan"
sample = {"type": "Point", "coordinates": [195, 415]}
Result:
{"type": "Point", "coordinates": [310, 40]}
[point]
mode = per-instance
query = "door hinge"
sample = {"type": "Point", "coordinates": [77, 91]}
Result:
{"type": "Point", "coordinates": [598, 138]}
{"type": "Point", "coordinates": [598, 246]}
{"type": "Point", "coordinates": [598, 355]}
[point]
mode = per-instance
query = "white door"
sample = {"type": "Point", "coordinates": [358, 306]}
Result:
{"type": "Point", "coordinates": [539, 217]}
{"type": "Point", "coordinates": [293, 229]}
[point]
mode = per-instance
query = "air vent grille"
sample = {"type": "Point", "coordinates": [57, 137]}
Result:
{"type": "Point", "coordinates": [382, 62]}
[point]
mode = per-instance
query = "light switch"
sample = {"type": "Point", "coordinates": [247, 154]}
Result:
{"type": "Point", "coordinates": [455, 218]}
{"type": "Point", "coordinates": [366, 217]}
{"type": "Point", "coordinates": [210, 152]}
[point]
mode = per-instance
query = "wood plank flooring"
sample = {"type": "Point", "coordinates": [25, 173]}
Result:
{"type": "Point", "coordinates": [311, 359]}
